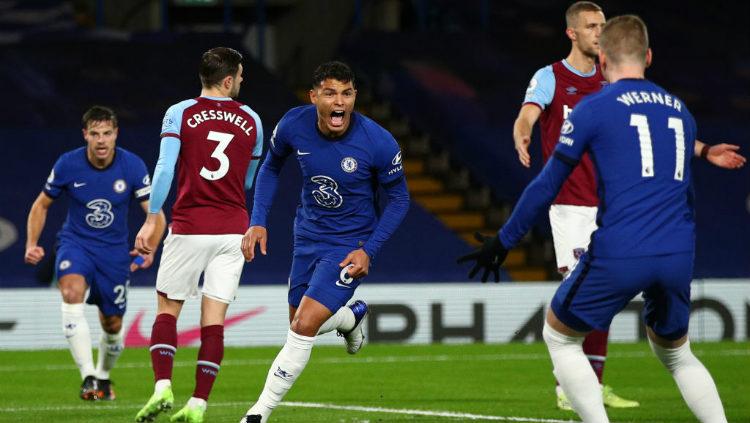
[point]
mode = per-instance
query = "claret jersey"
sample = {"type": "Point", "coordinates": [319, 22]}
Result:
{"type": "Point", "coordinates": [218, 139]}
{"type": "Point", "coordinates": [556, 89]}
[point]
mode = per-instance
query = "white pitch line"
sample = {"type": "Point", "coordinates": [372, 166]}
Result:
{"type": "Point", "coordinates": [431, 413]}
{"type": "Point", "coordinates": [377, 359]}
{"type": "Point", "coordinates": [360, 408]}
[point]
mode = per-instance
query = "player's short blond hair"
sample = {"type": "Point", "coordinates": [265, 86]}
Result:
{"type": "Point", "coordinates": [571, 15]}
{"type": "Point", "coordinates": [625, 38]}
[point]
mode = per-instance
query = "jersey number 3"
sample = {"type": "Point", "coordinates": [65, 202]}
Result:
{"type": "Point", "coordinates": [647, 153]}
{"type": "Point", "coordinates": [223, 139]}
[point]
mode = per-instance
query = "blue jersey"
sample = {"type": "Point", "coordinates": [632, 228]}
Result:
{"type": "Point", "coordinates": [98, 212]}
{"type": "Point", "coordinates": [641, 139]}
{"type": "Point", "coordinates": [340, 179]}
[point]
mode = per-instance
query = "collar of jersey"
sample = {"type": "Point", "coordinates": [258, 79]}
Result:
{"type": "Point", "coordinates": [216, 98]}
{"type": "Point", "coordinates": [576, 71]}
{"type": "Point", "coordinates": [86, 157]}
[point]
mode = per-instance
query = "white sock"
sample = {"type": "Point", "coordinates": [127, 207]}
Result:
{"type": "Point", "coordinates": [695, 383]}
{"type": "Point", "coordinates": [575, 375]}
{"type": "Point", "coordinates": [110, 348]}
{"type": "Point", "coordinates": [161, 385]}
{"type": "Point", "coordinates": [342, 320]}
{"type": "Point", "coordinates": [197, 402]}
{"type": "Point", "coordinates": [285, 369]}
{"type": "Point", "coordinates": [76, 331]}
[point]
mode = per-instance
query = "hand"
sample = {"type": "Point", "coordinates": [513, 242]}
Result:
{"type": "Point", "coordinates": [34, 255]}
{"type": "Point", "coordinates": [141, 261]}
{"type": "Point", "coordinates": [360, 263]}
{"type": "Point", "coordinates": [254, 235]}
{"type": "Point", "coordinates": [522, 147]}
{"type": "Point", "coordinates": [489, 256]}
{"type": "Point", "coordinates": [143, 238]}
{"type": "Point", "coordinates": [725, 156]}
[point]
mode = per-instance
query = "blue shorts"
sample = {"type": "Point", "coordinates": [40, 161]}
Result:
{"type": "Point", "coordinates": [107, 274]}
{"type": "Point", "coordinates": [316, 273]}
{"type": "Point", "coordinates": [599, 288]}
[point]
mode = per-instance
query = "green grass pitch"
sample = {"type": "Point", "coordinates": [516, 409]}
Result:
{"type": "Point", "coordinates": [383, 383]}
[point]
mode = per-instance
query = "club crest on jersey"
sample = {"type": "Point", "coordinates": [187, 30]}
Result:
{"type": "Point", "coordinates": [64, 264]}
{"type": "Point", "coordinates": [349, 164]}
{"type": "Point", "coordinates": [119, 186]}
{"type": "Point", "coordinates": [397, 159]}
{"type": "Point", "coordinates": [166, 123]}
{"type": "Point", "coordinates": [566, 128]}
{"type": "Point", "coordinates": [532, 86]}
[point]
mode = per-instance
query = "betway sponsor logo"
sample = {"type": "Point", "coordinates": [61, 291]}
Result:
{"type": "Point", "coordinates": [134, 337]}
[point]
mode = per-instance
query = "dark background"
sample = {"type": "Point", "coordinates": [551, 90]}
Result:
{"type": "Point", "coordinates": [454, 71]}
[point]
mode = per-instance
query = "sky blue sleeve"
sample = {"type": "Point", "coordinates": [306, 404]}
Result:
{"type": "Point", "coordinates": [541, 88]}
{"type": "Point", "coordinates": [393, 214]}
{"type": "Point", "coordinates": [164, 172]}
{"type": "Point", "coordinates": [170, 126]}
{"type": "Point", "coordinates": [257, 151]}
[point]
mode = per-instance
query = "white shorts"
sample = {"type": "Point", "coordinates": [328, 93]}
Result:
{"type": "Point", "coordinates": [185, 257]}
{"type": "Point", "coordinates": [571, 232]}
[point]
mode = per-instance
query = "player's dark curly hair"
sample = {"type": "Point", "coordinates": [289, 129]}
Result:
{"type": "Point", "coordinates": [99, 114]}
{"type": "Point", "coordinates": [217, 64]}
{"type": "Point", "coordinates": [332, 70]}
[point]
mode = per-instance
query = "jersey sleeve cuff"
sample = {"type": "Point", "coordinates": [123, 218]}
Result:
{"type": "Point", "coordinates": [50, 195]}
{"type": "Point", "coordinates": [533, 103]}
{"type": "Point", "coordinates": [565, 159]}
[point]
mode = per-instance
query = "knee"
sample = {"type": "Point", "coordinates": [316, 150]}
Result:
{"type": "Point", "coordinates": [556, 340]}
{"type": "Point", "coordinates": [673, 357]}
{"type": "Point", "coordinates": [72, 294]}
{"type": "Point", "coordinates": [302, 326]}
{"type": "Point", "coordinates": [112, 324]}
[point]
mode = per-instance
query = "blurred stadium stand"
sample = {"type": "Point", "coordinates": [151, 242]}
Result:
{"type": "Point", "coordinates": [451, 74]}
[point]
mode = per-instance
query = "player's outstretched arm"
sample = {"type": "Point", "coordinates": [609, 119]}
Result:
{"type": "Point", "coordinates": [34, 226]}
{"type": "Point", "coordinates": [255, 235]}
{"type": "Point", "coordinates": [522, 128]}
{"type": "Point", "coordinates": [720, 155]}
{"type": "Point", "coordinates": [359, 263]}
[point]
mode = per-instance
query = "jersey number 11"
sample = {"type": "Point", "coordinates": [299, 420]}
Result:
{"type": "Point", "coordinates": [647, 153]}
